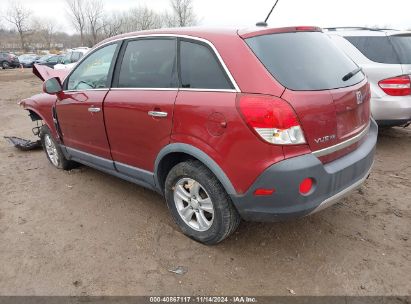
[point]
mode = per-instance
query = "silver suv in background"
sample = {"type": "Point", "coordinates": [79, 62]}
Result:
{"type": "Point", "coordinates": [71, 58]}
{"type": "Point", "coordinates": [385, 56]}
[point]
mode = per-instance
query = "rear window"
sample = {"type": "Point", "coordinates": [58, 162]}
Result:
{"type": "Point", "coordinates": [304, 61]}
{"type": "Point", "coordinates": [402, 45]}
{"type": "Point", "coordinates": [377, 49]}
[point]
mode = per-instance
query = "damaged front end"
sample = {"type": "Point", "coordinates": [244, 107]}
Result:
{"type": "Point", "coordinates": [26, 144]}
{"type": "Point", "coordinates": [23, 144]}
{"type": "Point", "coordinates": [40, 108]}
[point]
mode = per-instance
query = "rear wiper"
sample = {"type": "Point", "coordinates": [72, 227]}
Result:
{"type": "Point", "coordinates": [352, 74]}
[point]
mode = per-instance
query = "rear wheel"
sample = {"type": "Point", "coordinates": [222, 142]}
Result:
{"type": "Point", "coordinates": [199, 204]}
{"type": "Point", "coordinates": [53, 150]}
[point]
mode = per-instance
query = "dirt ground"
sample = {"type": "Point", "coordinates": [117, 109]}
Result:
{"type": "Point", "coordinates": [87, 233]}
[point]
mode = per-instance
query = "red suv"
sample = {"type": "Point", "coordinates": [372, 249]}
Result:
{"type": "Point", "coordinates": [264, 124]}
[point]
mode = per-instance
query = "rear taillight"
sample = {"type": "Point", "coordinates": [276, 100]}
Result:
{"type": "Point", "coordinates": [272, 118]}
{"type": "Point", "coordinates": [396, 86]}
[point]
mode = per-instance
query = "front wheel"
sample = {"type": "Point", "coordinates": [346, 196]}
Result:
{"type": "Point", "coordinates": [199, 204]}
{"type": "Point", "coordinates": [53, 150]}
{"type": "Point", "coordinates": [5, 65]}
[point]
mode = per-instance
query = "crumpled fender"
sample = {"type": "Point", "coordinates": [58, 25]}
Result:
{"type": "Point", "coordinates": [42, 105]}
{"type": "Point", "coordinates": [44, 72]}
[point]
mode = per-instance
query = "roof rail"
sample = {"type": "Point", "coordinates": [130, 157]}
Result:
{"type": "Point", "coordinates": [358, 28]}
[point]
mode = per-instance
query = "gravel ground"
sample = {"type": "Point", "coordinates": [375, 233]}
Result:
{"type": "Point", "coordinates": [86, 233]}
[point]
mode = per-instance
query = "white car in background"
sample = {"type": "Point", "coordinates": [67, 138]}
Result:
{"type": "Point", "coordinates": [385, 56]}
{"type": "Point", "coordinates": [71, 58]}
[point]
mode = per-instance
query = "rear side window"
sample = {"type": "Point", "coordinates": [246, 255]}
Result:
{"type": "Point", "coordinates": [402, 45]}
{"type": "Point", "coordinates": [200, 68]}
{"type": "Point", "coordinates": [304, 61]}
{"type": "Point", "coordinates": [149, 63]}
{"type": "Point", "coordinates": [377, 49]}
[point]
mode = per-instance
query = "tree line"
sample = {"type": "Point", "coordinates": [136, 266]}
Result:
{"type": "Point", "coordinates": [91, 21]}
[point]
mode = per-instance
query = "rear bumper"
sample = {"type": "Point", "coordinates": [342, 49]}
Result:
{"type": "Point", "coordinates": [391, 108]}
{"type": "Point", "coordinates": [333, 181]}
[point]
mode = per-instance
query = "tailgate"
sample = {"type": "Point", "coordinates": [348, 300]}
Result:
{"type": "Point", "coordinates": [327, 90]}
{"type": "Point", "coordinates": [331, 118]}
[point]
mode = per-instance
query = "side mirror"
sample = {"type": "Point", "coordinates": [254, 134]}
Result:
{"type": "Point", "coordinates": [52, 86]}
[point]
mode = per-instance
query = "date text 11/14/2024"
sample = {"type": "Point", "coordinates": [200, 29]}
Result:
{"type": "Point", "coordinates": [203, 299]}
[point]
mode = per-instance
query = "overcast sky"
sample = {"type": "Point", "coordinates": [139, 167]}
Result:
{"type": "Point", "coordinates": [242, 13]}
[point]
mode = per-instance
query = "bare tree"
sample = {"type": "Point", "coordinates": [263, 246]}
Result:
{"type": "Point", "coordinates": [183, 13]}
{"type": "Point", "coordinates": [19, 16]}
{"type": "Point", "coordinates": [47, 28]}
{"type": "Point", "coordinates": [143, 18]}
{"type": "Point", "coordinates": [112, 25]}
{"type": "Point", "coordinates": [76, 10]}
{"type": "Point", "coordinates": [94, 15]}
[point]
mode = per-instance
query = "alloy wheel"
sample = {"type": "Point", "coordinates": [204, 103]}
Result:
{"type": "Point", "coordinates": [51, 150]}
{"type": "Point", "coordinates": [193, 204]}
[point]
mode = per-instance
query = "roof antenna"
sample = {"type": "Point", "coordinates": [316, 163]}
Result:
{"type": "Point", "coordinates": [264, 23]}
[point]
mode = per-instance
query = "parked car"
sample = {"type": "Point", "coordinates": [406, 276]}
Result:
{"type": "Point", "coordinates": [71, 57]}
{"type": "Point", "coordinates": [50, 60]}
{"type": "Point", "coordinates": [8, 60]}
{"type": "Point", "coordinates": [27, 60]}
{"type": "Point", "coordinates": [43, 58]}
{"type": "Point", "coordinates": [385, 56]}
{"type": "Point", "coordinates": [262, 125]}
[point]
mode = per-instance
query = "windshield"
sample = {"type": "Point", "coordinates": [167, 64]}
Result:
{"type": "Point", "coordinates": [402, 44]}
{"type": "Point", "coordinates": [304, 61]}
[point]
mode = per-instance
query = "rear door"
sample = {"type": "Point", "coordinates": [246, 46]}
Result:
{"type": "Point", "coordinates": [139, 108]}
{"type": "Point", "coordinates": [80, 106]}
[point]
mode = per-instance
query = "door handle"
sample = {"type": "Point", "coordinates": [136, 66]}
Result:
{"type": "Point", "coordinates": [158, 114]}
{"type": "Point", "coordinates": [94, 110]}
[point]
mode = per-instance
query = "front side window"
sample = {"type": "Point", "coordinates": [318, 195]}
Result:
{"type": "Point", "coordinates": [92, 73]}
{"type": "Point", "coordinates": [200, 69]}
{"type": "Point", "coordinates": [149, 63]}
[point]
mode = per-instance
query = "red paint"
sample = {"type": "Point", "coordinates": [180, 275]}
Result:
{"type": "Point", "coordinates": [331, 113]}
{"type": "Point", "coordinates": [238, 151]}
{"type": "Point", "coordinates": [209, 121]}
{"type": "Point", "coordinates": [135, 137]}
{"type": "Point", "coordinates": [81, 129]}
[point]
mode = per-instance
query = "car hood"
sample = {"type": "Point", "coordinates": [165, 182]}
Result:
{"type": "Point", "coordinates": [45, 73]}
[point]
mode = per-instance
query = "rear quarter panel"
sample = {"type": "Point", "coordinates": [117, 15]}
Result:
{"type": "Point", "coordinates": [235, 148]}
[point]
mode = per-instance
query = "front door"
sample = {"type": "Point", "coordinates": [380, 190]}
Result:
{"type": "Point", "coordinates": [80, 106]}
{"type": "Point", "coordinates": [139, 108]}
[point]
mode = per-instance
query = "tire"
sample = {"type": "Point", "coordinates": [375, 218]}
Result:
{"type": "Point", "coordinates": [192, 189]}
{"type": "Point", "coordinates": [5, 65]}
{"type": "Point", "coordinates": [53, 151]}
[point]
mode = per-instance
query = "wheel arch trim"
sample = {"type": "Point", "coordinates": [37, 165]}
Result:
{"type": "Point", "coordinates": [198, 154]}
